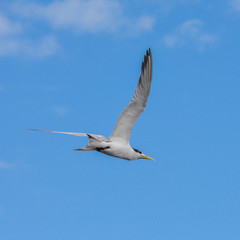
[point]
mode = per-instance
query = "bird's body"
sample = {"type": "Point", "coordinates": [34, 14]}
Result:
{"type": "Point", "coordinates": [118, 150]}
{"type": "Point", "coordinates": [117, 145]}
{"type": "Point", "coordinates": [114, 148]}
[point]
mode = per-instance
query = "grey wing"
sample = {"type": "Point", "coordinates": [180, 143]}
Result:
{"type": "Point", "coordinates": [134, 109]}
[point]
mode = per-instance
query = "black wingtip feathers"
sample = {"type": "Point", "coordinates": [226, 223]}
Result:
{"type": "Point", "coordinates": [146, 56]}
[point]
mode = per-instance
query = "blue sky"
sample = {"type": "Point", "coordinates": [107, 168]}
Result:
{"type": "Point", "coordinates": [73, 66]}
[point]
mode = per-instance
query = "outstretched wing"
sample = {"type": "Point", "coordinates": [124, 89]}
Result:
{"type": "Point", "coordinates": [134, 109]}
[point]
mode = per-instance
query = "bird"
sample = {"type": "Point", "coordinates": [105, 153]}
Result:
{"type": "Point", "coordinates": [117, 145]}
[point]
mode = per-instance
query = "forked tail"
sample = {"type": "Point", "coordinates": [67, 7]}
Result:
{"type": "Point", "coordinates": [70, 133]}
{"type": "Point", "coordinates": [93, 138]}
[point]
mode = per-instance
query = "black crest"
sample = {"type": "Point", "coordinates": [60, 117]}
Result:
{"type": "Point", "coordinates": [137, 151]}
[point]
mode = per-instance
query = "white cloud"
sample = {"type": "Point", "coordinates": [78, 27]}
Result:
{"type": "Point", "coordinates": [60, 110]}
{"type": "Point", "coordinates": [236, 4]}
{"type": "Point", "coordinates": [84, 16]}
{"type": "Point", "coordinates": [12, 41]}
{"type": "Point", "coordinates": [2, 88]}
{"type": "Point", "coordinates": [6, 165]}
{"type": "Point", "coordinates": [81, 16]}
{"type": "Point", "coordinates": [190, 32]}
{"type": "Point", "coordinates": [12, 165]}
{"type": "Point", "coordinates": [8, 27]}
{"type": "Point", "coordinates": [41, 48]}
{"type": "Point", "coordinates": [45, 47]}
{"type": "Point", "coordinates": [144, 23]}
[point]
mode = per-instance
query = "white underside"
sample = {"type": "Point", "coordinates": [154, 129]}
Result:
{"type": "Point", "coordinates": [120, 151]}
{"type": "Point", "coordinates": [117, 149]}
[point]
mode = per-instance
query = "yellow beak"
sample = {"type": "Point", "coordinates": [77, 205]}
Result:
{"type": "Point", "coordinates": [147, 157]}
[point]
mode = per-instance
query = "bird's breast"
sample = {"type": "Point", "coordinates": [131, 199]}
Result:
{"type": "Point", "coordinates": [119, 151]}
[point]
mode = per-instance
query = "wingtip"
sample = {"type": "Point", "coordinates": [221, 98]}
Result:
{"type": "Point", "coordinates": [150, 52]}
{"type": "Point", "coordinates": [142, 66]}
{"type": "Point", "coordinates": [145, 60]}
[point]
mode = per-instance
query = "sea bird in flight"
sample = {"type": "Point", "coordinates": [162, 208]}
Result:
{"type": "Point", "coordinates": [117, 145]}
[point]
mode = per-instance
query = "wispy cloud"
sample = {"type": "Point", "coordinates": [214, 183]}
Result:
{"type": "Point", "coordinates": [2, 88]}
{"type": "Point", "coordinates": [190, 32]}
{"type": "Point", "coordinates": [6, 165]}
{"type": "Point", "coordinates": [8, 27]}
{"type": "Point", "coordinates": [12, 164]}
{"type": "Point", "coordinates": [60, 110]}
{"type": "Point", "coordinates": [84, 16]}
{"type": "Point", "coordinates": [144, 23]}
{"type": "Point", "coordinates": [12, 41]}
{"type": "Point", "coordinates": [80, 16]}
{"type": "Point", "coordinates": [236, 4]}
{"type": "Point", "coordinates": [40, 48]}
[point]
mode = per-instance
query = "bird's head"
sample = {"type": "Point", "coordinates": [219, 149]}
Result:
{"type": "Point", "coordinates": [141, 155]}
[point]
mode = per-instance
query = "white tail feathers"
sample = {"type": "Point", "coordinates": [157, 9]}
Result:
{"type": "Point", "coordinates": [70, 133]}
{"type": "Point", "coordinates": [85, 149]}
{"type": "Point", "coordinates": [94, 140]}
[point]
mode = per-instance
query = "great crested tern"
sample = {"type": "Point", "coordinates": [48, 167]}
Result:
{"type": "Point", "coordinates": [117, 145]}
